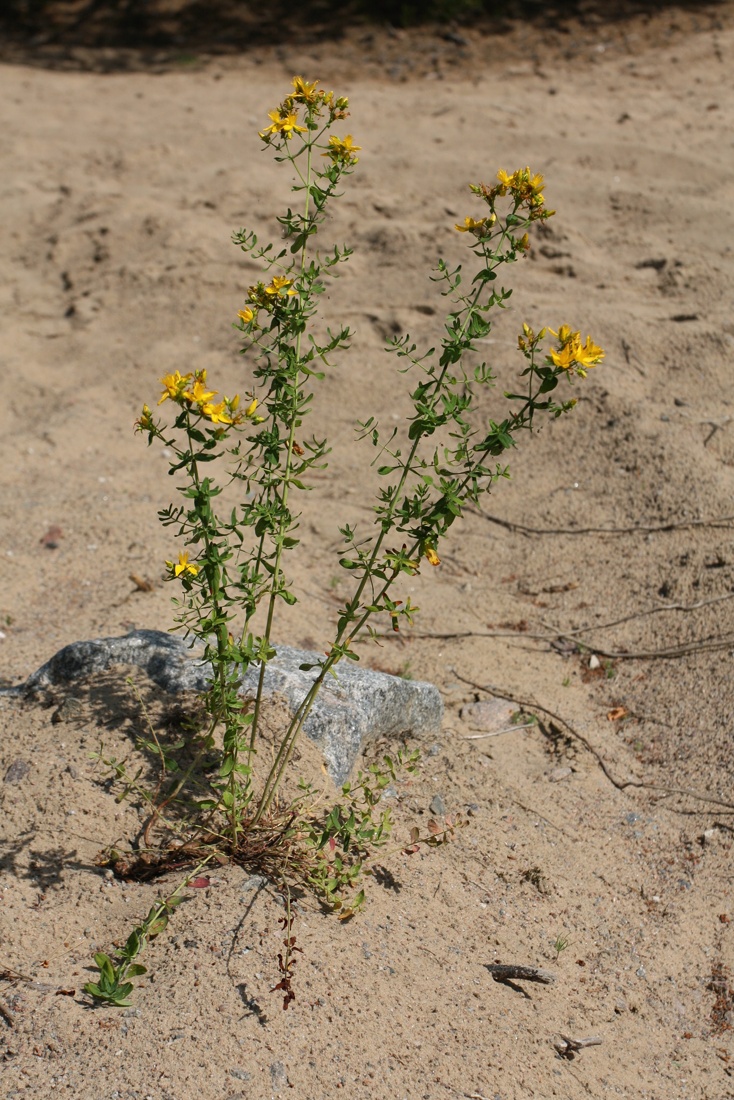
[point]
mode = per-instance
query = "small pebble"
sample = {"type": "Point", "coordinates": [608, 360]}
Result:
{"type": "Point", "coordinates": [490, 714]}
{"type": "Point", "coordinates": [240, 1074]}
{"type": "Point", "coordinates": [594, 661]}
{"type": "Point", "coordinates": [254, 882]}
{"type": "Point", "coordinates": [560, 773]}
{"type": "Point", "coordinates": [17, 771]}
{"type": "Point", "coordinates": [620, 1006]}
{"type": "Point", "coordinates": [437, 806]}
{"type": "Point", "coordinates": [278, 1075]}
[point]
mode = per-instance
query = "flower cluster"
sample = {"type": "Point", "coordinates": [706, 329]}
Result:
{"type": "Point", "coordinates": [525, 188]}
{"type": "Point", "coordinates": [266, 296]}
{"type": "Point", "coordinates": [342, 150]}
{"type": "Point", "coordinates": [189, 391]}
{"type": "Point", "coordinates": [284, 119]}
{"type": "Point", "coordinates": [571, 354]}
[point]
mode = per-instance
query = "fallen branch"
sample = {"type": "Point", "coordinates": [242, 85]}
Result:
{"type": "Point", "coordinates": [638, 615]}
{"type": "Point", "coordinates": [720, 522]}
{"type": "Point", "coordinates": [621, 785]}
{"type": "Point", "coordinates": [703, 645]}
{"type": "Point", "coordinates": [554, 633]}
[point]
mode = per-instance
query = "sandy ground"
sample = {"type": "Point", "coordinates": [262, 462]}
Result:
{"type": "Point", "coordinates": [120, 192]}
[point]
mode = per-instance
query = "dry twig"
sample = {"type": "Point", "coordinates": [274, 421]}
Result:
{"type": "Point", "coordinates": [553, 633]}
{"type": "Point", "coordinates": [496, 733]}
{"type": "Point", "coordinates": [568, 1047]}
{"type": "Point", "coordinates": [502, 972]}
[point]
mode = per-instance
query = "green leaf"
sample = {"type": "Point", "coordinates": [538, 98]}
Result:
{"type": "Point", "coordinates": [132, 947]}
{"type": "Point", "coordinates": [159, 925]}
{"type": "Point", "coordinates": [106, 968]}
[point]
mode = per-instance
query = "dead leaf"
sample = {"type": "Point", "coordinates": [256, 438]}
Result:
{"type": "Point", "coordinates": [51, 539]}
{"type": "Point", "coordinates": [140, 584]}
{"type": "Point", "coordinates": [617, 713]}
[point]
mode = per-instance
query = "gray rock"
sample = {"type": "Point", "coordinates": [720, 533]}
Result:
{"type": "Point", "coordinates": [350, 711]}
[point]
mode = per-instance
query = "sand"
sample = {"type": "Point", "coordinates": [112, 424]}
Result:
{"type": "Point", "coordinates": [120, 193]}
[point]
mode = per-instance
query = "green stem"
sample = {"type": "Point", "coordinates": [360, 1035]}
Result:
{"type": "Point", "coordinates": [275, 586]}
{"type": "Point", "coordinates": [290, 739]}
{"type": "Point", "coordinates": [222, 635]}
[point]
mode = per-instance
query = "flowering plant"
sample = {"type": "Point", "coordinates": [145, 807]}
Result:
{"type": "Point", "coordinates": [232, 572]}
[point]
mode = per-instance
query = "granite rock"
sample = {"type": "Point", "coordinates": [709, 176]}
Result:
{"type": "Point", "coordinates": [358, 706]}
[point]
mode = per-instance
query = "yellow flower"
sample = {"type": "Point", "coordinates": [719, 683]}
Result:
{"type": "Point", "coordinates": [590, 354]}
{"type": "Point", "coordinates": [479, 228]}
{"type": "Point", "coordinates": [250, 410]}
{"type": "Point", "coordinates": [431, 556]}
{"type": "Point", "coordinates": [565, 358]}
{"type": "Point", "coordinates": [565, 335]}
{"type": "Point", "coordinates": [247, 315]}
{"type": "Point", "coordinates": [305, 92]}
{"type": "Point", "coordinates": [342, 149]}
{"type": "Point", "coordinates": [175, 384]}
{"type": "Point", "coordinates": [279, 283]}
{"type": "Point", "coordinates": [198, 394]}
{"type": "Point", "coordinates": [218, 414]}
{"type": "Point", "coordinates": [285, 124]}
{"type": "Point", "coordinates": [504, 178]}
{"type": "Point", "coordinates": [183, 565]}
